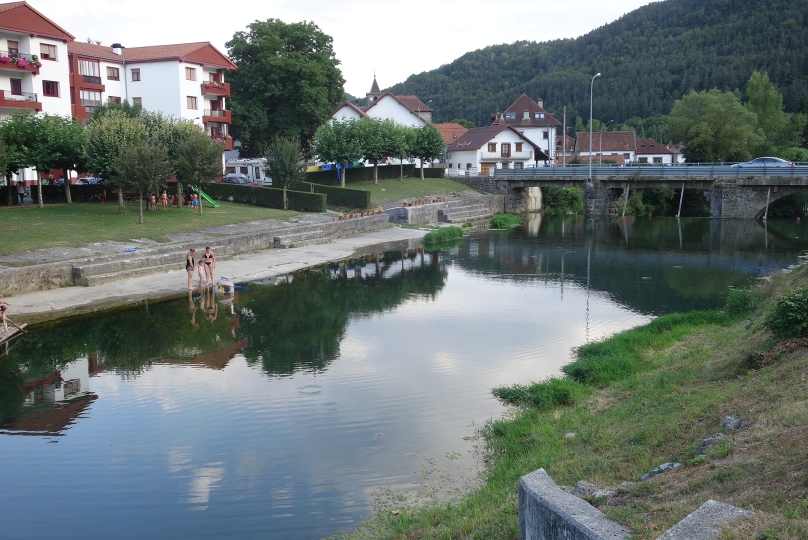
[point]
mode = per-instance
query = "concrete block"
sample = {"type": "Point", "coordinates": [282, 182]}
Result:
{"type": "Point", "coordinates": [705, 523]}
{"type": "Point", "coordinates": [548, 513]}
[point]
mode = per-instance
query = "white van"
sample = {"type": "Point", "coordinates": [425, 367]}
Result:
{"type": "Point", "coordinates": [254, 169]}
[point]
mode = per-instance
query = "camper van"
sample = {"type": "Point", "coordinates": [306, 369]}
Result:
{"type": "Point", "coordinates": [255, 170]}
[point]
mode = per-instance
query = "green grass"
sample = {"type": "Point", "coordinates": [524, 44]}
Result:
{"type": "Point", "coordinates": [505, 221]}
{"type": "Point", "coordinates": [443, 235]}
{"type": "Point", "coordinates": [390, 190]}
{"type": "Point", "coordinates": [61, 225]}
{"type": "Point", "coordinates": [641, 398]}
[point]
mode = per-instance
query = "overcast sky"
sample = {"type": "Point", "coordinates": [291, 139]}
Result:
{"type": "Point", "coordinates": [393, 38]}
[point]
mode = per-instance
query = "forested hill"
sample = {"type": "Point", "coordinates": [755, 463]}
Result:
{"type": "Point", "coordinates": [648, 58]}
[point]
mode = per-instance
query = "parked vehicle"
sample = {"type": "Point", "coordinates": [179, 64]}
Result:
{"type": "Point", "coordinates": [766, 162]}
{"type": "Point", "coordinates": [254, 170]}
{"type": "Point", "coordinates": [234, 178]}
{"type": "Point", "coordinates": [89, 180]}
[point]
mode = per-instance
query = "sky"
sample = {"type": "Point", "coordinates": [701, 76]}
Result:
{"type": "Point", "coordinates": [391, 38]}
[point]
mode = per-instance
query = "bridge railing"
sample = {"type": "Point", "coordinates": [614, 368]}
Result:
{"type": "Point", "coordinates": [661, 171]}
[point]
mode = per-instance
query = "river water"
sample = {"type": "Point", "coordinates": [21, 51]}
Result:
{"type": "Point", "coordinates": [281, 412]}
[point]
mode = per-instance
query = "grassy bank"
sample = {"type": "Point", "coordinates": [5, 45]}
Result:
{"type": "Point", "coordinates": [641, 398]}
{"type": "Point", "coordinates": [393, 189]}
{"type": "Point", "coordinates": [62, 225]}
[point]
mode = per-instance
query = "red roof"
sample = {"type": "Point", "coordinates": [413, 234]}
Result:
{"type": "Point", "coordinates": [522, 105]}
{"type": "Point", "coordinates": [650, 146]}
{"type": "Point", "coordinates": [613, 141]}
{"type": "Point", "coordinates": [450, 132]}
{"type": "Point", "coordinates": [476, 138]}
{"type": "Point", "coordinates": [202, 53]}
{"type": "Point", "coordinates": [21, 18]}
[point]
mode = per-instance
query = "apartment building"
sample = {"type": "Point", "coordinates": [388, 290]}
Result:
{"type": "Point", "coordinates": [34, 72]}
{"type": "Point", "coordinates": [184, 80]}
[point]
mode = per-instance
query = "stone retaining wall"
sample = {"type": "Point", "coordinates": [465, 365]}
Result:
{"type": "Point", "coordinates": [430, 213]}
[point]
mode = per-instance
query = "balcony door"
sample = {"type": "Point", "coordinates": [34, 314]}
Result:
{"type": "Point", "coordinates": [505, 150]}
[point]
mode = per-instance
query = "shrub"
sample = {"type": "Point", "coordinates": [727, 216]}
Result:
{"type": "Point", "coordinates": [505, 221]}
{"type": "Point", "coordinates": [340, 196]}
{"type": "Point", "coordinates": [790, 315]}
{"type": "Point", "coordinates": [444, 234]}
{"type": "Point", "coordinates": [267, 197]}
{"type": "Point", "coordinates": [558, 201]}
{"type": "Point", "coordinates": [544, 395]}
{"type": "Point", "coordinates": [740, 302]}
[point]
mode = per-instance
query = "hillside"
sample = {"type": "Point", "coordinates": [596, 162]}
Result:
{"type": "Point", "coordinates": [648, 58]}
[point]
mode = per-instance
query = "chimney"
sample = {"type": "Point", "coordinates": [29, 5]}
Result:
{"type": "Point", "coordinates": [540, 102]}
{"type": "Point", "coordinates": [116, 48]}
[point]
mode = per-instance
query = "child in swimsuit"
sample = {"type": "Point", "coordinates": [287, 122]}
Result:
{"type": "Point", "coordinates": [164, 199]}
{"type": "Point", "coordinates": [190, 267]}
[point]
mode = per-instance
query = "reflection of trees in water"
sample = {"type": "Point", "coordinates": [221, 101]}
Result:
{"type": "Point", "coordinates": [299, 325]}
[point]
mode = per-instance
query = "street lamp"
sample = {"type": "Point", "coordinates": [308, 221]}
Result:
{"type": "Point", "coordinates": [591, 89]}
{"type": "Point", "coordinates": [600, 152]}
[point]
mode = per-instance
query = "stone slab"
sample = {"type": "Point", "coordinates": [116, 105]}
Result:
{"type": "Point", "coordinates": [705, 523]}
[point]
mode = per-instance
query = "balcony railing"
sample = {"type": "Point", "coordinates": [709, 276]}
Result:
{"type": "Point", "coordinates": [16, 60]}
{"type": "Point", "coordinates": [92, 79]}
{"type": "Point", "coordinates": [211, 112]}
{"type": "Point", "coordinates": [513, 155]}
{"type": "Point", "coordinates": [12, 55]}
{"type": "Point", "coordinates": [22, 96]}
{"type": "Point", "coordinates": [90, 102]}
{"type": "Point", "coordinates": [216, 88]}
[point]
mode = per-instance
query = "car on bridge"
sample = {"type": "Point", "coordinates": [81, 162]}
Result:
{"type": "Point", "coordinates": [765, 162]}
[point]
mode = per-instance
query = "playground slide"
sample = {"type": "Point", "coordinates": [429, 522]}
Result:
{"type": "Point", "coordinates": [205, 196]}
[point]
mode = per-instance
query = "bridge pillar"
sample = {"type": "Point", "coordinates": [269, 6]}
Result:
{"type": "Point", "coordinates": [731, 201]}
{"type": "Point", "coordinates": [600, 201]}
{"type": "Point", "coordinates": [521, 200]}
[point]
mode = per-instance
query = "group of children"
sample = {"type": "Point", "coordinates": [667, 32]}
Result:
{"type": "Point", "coordinates": [205, 268]}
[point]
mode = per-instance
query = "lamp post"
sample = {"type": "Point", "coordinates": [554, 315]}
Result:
{"type": "Point", "coordinates": [600, 151]}
{"type": "Point", "coordinates": [591, 89]}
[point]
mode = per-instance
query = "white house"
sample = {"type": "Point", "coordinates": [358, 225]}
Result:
{"type": "Point", "coordinates": [404, 110]}
{"type": "Point", "coordinates": [184, 80]}
{"type": "Point", "coordinates": [347, 111]}
{"type": "Point", "coordinates": [500, 146]}
{"type": "Point", "coordinates": [529, 117]}
{"type": "Point", "coordinates": [625, 147]}
{"type": "Point", "coordinates": [34, 68]}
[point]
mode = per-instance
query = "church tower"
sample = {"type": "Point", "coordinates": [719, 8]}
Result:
{"type": "Point", "coordinates": [374, 93]}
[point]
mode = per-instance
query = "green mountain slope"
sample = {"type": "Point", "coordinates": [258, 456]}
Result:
{"type": "Point", "coordinates": [648, 58]}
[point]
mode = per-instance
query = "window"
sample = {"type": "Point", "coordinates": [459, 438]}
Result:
{"type": "Point", "coordinates": [519, 165]}
{"type": "Point", "coordinates": [190, 74]}
{"type": "Point", "coordinates": [658, 160]}
{"type": "Point", "coordinates": [47, 52]}
{"type": "Point", "coordinates": [538, 115]}
{"type": "Point", "coordinates": [510, 116]}
{"type": "Point", "coordinates": [16, 87]}
{"type": "Point", "coordinates": [91, 98]}
{"type": "Point", "coordinates": [518, 147]}
{"type": "Point", "coordinates": [212, 77]}
{"type": "Point", "coordinates": [191, 102]}
{"type": "Point", "coordinates": [90, 71]}
{"type": "Point", "coordinates": [505, 165]}
{"type": "Point", "coordinates": [468, 165]}
{"type": "Point", "coordinates": [627, 156]}
{"type": "Point", "coordinates": [136, 74]}
{"type": "Point", "coordinates": [114, 99]}
{"type": "Point", "coordinates": [450, 165]}
{"type": "Point", "coordinates": [643, 160]}
{"type": "Point", "coordinates": [13, 47]}
{"type": "Point", "coordinates": [50, 88]}
{"type": "Point", "coordinates": [492, 147]}
{"type": "Point", "coordinates": [506, 149]}
{"type": "Point", "coordinates": [113, 74]}
{"type": "Point", "coordinates": [137, 101]}
{"type": "Point", "coordinates": [545, 135]}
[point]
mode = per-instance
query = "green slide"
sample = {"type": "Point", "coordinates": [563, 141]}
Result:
{"type": "Point", "coordinates": [205, 196]}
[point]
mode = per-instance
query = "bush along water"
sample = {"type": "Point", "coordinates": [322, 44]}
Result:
{"type": "Point", "coordinates": [505, 221]}
{"type": "Point", "coordinates": [444, 235]}
{"type": "Point", "coordinates": [562, 201]}
{"type": "Point", "coordinates": [790, 315]}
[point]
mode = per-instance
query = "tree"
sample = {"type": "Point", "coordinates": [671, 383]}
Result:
{"type": "Point", "coordinates": [6, 155]}
{"type": "Point", "coordinates": [287, 82]}
{"type": "Point", "coordinates": [428, 144]}
{"type": "Point", "coordinates": [778, 130]}
{"type": "Point", "coordinates": [132, 110]}
{"type": "Point", "coordinates": [106, 136]}
{"type": "Point", "coordinates": [143, 167]}
{"type": "Point", "coordinates": [401, 145]}
{"type": "Point", "coordinates": [63, 140]}
{"type": "Point", "coordinates": [198, 159]}
{"type": "Point", "coordinates": [468, 124]}
{"type": "Point", "coordinates": [286, 164]}
{"type": "Point", "coordinates": [338, 142]}
{"type": "Point", "coordinates": [17, 133]}
{"type": "Point", "coordinates": [713, 126]}
{"type": "Point", "coordinates": [375, 136]}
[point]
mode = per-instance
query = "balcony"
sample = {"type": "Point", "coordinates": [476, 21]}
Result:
{"type": "Point", "coordinates": [86, 82]}
{"type": "Point", "coordinates": [16, 61]}
{"type": "Point", "coordinates": [484, 156]}
{"type": "Point", "coordinates": [215, 89]}
{"type": "Point", "coordinates": [23, 100]}
{"type": "Point", "coordinates": [227, 141]}
{"type": "Point", "coordinates": [221, 116]}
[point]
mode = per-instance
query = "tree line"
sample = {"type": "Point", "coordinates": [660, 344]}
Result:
{"type": "Point", "coordinates": [131, 149]}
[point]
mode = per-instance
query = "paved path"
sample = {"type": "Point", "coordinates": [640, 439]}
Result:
{"type": "Point", "coordinates": [53, 304]}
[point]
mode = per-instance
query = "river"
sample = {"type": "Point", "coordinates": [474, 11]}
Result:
{"type": "Point", "coordinates": [282, 411]}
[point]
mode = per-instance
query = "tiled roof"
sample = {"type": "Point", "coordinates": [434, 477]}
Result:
{"type": "Point", "coordinates": [570, 146]}
{"type": "Point", "coordinates": [476, 138]}
{"type": "Point", "coordinates": [21, 17]}
{"type": "Point", "coordinates": [411, 103]}
{"type": "Point", "coordinates": [613, 141]}
{"type": "Point", "coordinates": [522, 104]}
{"type": "Point", "coordinates": [451, 132]}
{"type": "Point", "coordinates": [200, 53]}
{"type": "Point", "coordinates": [650, 146]}
{"type": "Point", "coordinates": [350, 105]}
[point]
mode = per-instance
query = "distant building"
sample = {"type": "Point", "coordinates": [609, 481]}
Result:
{"type": "Point", "coordinates": [624, 147]}
{"type": "Point", "coordinates": [404, 110]}
{"type": "Point", "coordinates": [499, 146]}
{"type": "Point", "coordinates": [530, 117]}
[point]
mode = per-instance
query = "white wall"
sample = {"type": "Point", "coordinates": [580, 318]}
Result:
{"type": "Point", "coordinates": [536, 134]}
{"type": "Point", "coordinates": [346, 113]}
{"type": "Point", "coordinates": [113, 88]}
{"type": "Point", "coordinates": [159, 88]}
{"type": "Point", "coordinates": [52, 70]}
{"type": "Point", "coordinates": [388, 107]}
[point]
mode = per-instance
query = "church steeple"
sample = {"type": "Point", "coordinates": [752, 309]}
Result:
{"type": "Point", "coordinates": [374, 93]}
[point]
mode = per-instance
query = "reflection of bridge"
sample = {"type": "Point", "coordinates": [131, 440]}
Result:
{"type": "Point", "coordinates": [734, 192]}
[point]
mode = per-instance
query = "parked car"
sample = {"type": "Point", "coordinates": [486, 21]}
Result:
{"type": "Point", "coordinates": [236, 178]}
{"type": "Point", "coordinates": [89, 180]}
{"type": "Point", "coordinates": [765, 162]}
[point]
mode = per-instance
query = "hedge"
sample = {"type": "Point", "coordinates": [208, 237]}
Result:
{"type": "Point", "coordinates": [81, 193]}
{"type": "Point", "coordinates": [267, 197]}
{"type": "Point", "coordinates": [338, 196]}
{"type": "Point", "coordinates": [365, 174]}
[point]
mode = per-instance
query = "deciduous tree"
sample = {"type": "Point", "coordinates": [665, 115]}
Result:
{"type": "Point", "coordinates": [198, 159]}
{"type": "Point", "coordinates": [143, 167]}
{"type": "Point", "coordinates": [286, 164]}
{"type": "Point", "coordinates": [428, 145]}
{"type": "Point", "coordinates": [338, 142]}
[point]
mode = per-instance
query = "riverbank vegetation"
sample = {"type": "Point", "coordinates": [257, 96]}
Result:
{"type": "Point", "coordinates": [443, 235]}
{"type": "Point", "coordinates": [505, 221]}
{"type": "Point", "coordinates": [26, 228]}
{"type": "Point", "coordinates": [562, 201]}
{"type": "Point", "coordinates": [641, 398]}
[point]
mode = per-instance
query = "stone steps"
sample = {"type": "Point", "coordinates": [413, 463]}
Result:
{"type": "Point", "coordinates": [468, 212]}
{"type": "Point", "coordinates": [98, 279]}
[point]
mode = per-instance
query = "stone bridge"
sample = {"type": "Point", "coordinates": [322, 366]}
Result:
{"type": "Point", "coordinates": [733, 192]}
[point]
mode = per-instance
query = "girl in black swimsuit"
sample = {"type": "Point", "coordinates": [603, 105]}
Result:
{"type": "Point", "coordinates": [189, 267]}
{"type": "Point", "coordinates": [210, 263]}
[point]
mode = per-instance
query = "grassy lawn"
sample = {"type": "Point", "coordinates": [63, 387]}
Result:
{"type": "Point", "coordinates": [61, 225]}
{"type": "Point", "coordinates": [656, 392]}
{"type": "Point", "coordinates": [395, 190]}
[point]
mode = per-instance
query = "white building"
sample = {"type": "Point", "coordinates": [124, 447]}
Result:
{"type": "Point", "coordinates": [500, 146]}
{"type": "Point", "coordinates": [538, 125]}
{"type": "Point", "coordinates": [185, 80]}
{"type": "Point", "coordinates": [404, 110]}
{"type": "Point", "coordinates": [34, 68]}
